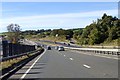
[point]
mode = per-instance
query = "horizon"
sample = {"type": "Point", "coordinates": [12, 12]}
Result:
{"type": "Point", "coordinates": [54, 15]}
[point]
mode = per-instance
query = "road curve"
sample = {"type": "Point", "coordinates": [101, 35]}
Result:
{"type": "Point", "coordinates": [67, 64]}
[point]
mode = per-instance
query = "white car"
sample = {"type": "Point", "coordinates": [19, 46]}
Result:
{"type": "Point", "coordinates": [61, 48]}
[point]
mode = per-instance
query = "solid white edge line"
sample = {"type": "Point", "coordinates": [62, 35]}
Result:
{"type": "Point", "coordinates": [32, 65]}
{"type": "Point", "coordinates": [86, 66]}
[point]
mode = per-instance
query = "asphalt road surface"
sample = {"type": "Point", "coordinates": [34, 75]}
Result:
{"type": "Point", "coordinates": [68, 64]}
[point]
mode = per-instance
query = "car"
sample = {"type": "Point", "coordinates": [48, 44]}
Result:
{"type": "Point", "coordinates": [68, 44]}
{"type": "Point", "coordinates": [56, 47]}
{"type": "Point", "coordinates": [64, 43]}
{"type": "Point", "coordinates": [61, 48]}
{"type": "Point", "coordinates": [48, 48]}
{"type": "Point", "coordinates": [72, 42]}
{"type": "Point", "coordinates": [42, 45]}
{"type": "Point", "coordinates": [55, 42]}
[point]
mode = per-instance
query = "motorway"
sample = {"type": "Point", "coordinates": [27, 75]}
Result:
{"type": "Point", "coordinates": [68, 64]}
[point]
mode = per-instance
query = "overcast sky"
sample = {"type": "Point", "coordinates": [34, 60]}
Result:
{"type": "Point", "coordinates": [54, 15]}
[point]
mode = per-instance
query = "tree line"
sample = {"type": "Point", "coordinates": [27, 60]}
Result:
{"type": "Point", "coordinates": [107, 28]}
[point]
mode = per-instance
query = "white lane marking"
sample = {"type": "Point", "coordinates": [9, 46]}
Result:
{"type": "Point", "coordinates": [64, 55]}
{"type": "Point", "coordinates": [71, 58]}
{"type": "Point", "coordinates": [32, 65]}
{"type": "Point", "coordinates": [86, 66]}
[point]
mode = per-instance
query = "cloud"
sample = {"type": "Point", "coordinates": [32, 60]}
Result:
{"type": "Point", "coordinates": [67, 20]}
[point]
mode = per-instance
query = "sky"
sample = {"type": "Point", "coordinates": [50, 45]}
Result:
{"type": "Point", "coordinates": [53, 15]}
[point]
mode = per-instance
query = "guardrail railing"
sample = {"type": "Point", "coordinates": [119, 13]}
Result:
{"type": "Point", "coordinates": [10, 50]}
{"type": "Point", "coordinates": [15, 56]}
{"type": "Point", "coordinates": [101, 51]}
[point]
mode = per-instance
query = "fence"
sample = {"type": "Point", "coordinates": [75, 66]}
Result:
{"type": "Point", "coordinates": [10, 49]}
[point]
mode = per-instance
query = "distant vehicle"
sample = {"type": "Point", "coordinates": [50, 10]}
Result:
{"type": "Point", "coordinates": [21, 40]}
{"type": "Point", "coordinates": [56, 47]}
{"type": "Point", "coordinates": [48, 48]}
{"type": "Point", "coordinates": [55, 42]}
{"type": "Point", "coordinates": [68, 44]}
{"type": "Point", "coordinates": [72, 42]}
{"type": "Point", "coordinates": [42, 45]}
{"type": "Point", "coordinates": [61, 48]}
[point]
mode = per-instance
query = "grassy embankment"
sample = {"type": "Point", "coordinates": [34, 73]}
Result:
{"type": "Point", "coordinates": [63, 39]}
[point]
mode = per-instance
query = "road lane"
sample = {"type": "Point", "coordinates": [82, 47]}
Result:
{"type": "Point", "coordinates": [53, 64]}
{"type": "Point", "coordinates": [99, 65]}
{"type": "Point", "coordinates": [58, 67]}
{"type": "Point", "coordinates": [98, 54]}
{"type": "Point", "coordinates": [32, 65]}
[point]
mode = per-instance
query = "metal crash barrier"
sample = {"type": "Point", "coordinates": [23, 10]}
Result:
{"type": "Point", "coordinates": [98, 51]}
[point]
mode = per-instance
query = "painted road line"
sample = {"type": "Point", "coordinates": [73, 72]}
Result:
{"type": "Point", "coordinates": [71, 58]}
{"type": "Point", "coordinates": [86, 66]}
{"type": "Point", "coordinates": [64, 55]}
{"type": "Point", "coordinates": [23, 76]}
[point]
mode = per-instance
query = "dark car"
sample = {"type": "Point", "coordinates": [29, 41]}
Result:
{"type": "Point", "coordinates": [48, 48]}
{"type": "Point", "coordinates": [72, 42]}
{"type": "Point", "coordinates": [61, 48]}
{"type": "Point", "coordinates": [68, 44]}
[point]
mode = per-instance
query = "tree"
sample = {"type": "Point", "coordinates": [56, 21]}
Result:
{"type": "Point", "coordinates": [77, 33]}
{"type": "Point", "coordinates": [104, 15]}
{"type": "Point", "coordinates": [14, 32]}
{"type": "Point", "coordinates": [94, 37]}
{"type": "Point", "coordinates": [105, 29]}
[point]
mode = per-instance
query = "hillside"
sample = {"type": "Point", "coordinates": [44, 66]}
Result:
{"type": "Point", "coordinates": [103, 31]}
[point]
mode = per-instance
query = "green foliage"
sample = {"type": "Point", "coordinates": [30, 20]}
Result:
{"type": "Point", "coordinates": [77, 33]}
{"type": "Point", "coordinates": [62, 32]}
{"type": "Point", "coordinates": [94, 37]}
{"type": "Point", "coordinates": [105, 29]}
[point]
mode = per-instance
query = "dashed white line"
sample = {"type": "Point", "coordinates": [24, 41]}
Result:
{"type": "Point", "coordinates": [32, 65]}
{"type": "Point", "coordinates": [86, 66]}
{"type": "Point", "coordinates": [71, 58]}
